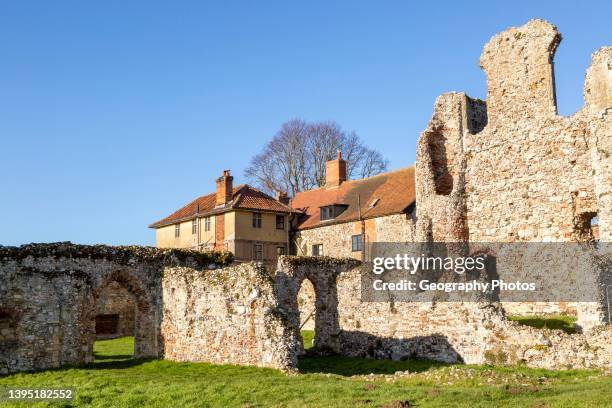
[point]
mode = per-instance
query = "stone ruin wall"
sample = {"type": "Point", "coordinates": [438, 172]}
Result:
{"type": "Point", "coordinates": [50, 295]}
{"type": "Point", "coordinates": [512, 169]}
{"type": "Point", "coordinates": [50, 292]}
{"type": "Point", "coordinates": [225, 316]}
{"type": "Point", "coordinates": [241, 315]}
{"type": "Point", "coordinates": [473, 333]}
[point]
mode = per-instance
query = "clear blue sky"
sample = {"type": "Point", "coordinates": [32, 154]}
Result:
{"type": "Point", "coordinates": [115, 113]}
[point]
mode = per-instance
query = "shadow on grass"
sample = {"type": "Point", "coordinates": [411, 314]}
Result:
{"type": "Point", "coordinates": [565, 323]}
{"type": "Point", "coordinates": [113, 364]}
{"type": "Point", "coordinates": [348, 366]}
{"type": "Point", "coordinates": [101, 357]}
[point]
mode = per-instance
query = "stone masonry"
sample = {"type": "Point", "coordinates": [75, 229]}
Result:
{"type": "Point", "coordinates": [49, 294]}
{"type": "Point", "coordinates": [511, 169]}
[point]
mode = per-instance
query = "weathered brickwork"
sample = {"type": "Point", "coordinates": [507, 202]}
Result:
{"type": "Point", "coordinates": [225, 316]}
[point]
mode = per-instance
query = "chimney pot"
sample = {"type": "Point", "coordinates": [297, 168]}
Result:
{"type": "Point", "coordinates": [225, 188]}
{"type": "Point", "coordinates": [335, 171]}
{"type": "Point", "coordinates": [282, 197]}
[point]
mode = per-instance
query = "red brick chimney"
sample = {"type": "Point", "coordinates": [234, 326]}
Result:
{"type": "Point", "coordinates": [224, 188]}
{"type": "Point", "coordinates": [282, 197]}
{"type": "Point", "coordinates": [335, 172]}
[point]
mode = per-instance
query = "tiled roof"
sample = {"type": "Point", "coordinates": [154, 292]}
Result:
{"type": "Point", "coordinates": [384, 194]}
{"type": "Point", "coordinates": [243, 197]}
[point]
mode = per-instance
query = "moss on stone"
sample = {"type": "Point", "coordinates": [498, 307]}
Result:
{"type": "Point", "coordinates": [294, 260]}
{"type": "Point", "coordinates": [119, 254]}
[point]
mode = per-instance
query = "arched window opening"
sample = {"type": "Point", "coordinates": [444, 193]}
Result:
{"type": "Point", "coordinates": [306, 304]}
{"type": "Point", "coordinates": [443, 179]}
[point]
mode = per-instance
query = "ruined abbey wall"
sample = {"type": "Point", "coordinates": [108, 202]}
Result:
{"type": "Point", "coordinates": [225, 316]}
{"type": "Point", "coordinates": [469, 332]}
{"type": "Point", "coordinates": [512, 169]}
{"type": "Point", "coordinates": [50, 295]}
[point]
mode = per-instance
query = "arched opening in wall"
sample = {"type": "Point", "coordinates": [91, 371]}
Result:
{"type": "Point", "coordinates": [440, 163]}
{"type": "Point", "coordinates": [487, 274]}
{"type": "Point", "coordinates": [8, 336]}
{"type": "Point", "coordinates": [306, 305]}
{"type": "Point", "coordinates": [587, 227]}
{"type": "Point", "coordinates": [115, 322]}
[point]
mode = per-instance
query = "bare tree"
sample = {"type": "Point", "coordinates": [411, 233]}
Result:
{"type": "Point", "coordinates": [294, 160]}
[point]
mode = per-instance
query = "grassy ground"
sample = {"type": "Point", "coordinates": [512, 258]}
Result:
{"type": "Point", "coordinates": [560, 322]}
{"type": "Point", "coordinates": [307, 338]}
{"type": "Point", "coordinates": [117, 380]}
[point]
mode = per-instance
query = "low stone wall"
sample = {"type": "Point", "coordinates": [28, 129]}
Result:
{"type": "Point", "coordinates": [540, 308]}
{"type": "Point", "coordinates": [187, 309]}
{"type": "Point", "coordinates": [225, 316]}
{"type": "Point", "coordinates": [42, 318]}
{"type": "Point", "coordinates": [474, 333]}
{"type": "Point", "coordinates": [49, 294]}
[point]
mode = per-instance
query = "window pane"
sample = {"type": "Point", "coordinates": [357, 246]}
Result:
{"type": "Point", "coordinates": [280, 222]}
{"type": "Point", "coordinates": [258, 252]}
{"type": "Point", "coordinates": [357, 243]}
{"type": "Point", "coordinates": [256, 220]}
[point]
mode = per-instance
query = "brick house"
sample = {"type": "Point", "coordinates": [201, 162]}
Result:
{"type": "Point", "coordinates": [244, 220]}
{"type": "Point", "coordinates": [342, 217]}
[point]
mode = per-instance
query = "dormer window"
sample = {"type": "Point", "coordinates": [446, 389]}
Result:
{"type": "Point", "coordinates": [329, 212]}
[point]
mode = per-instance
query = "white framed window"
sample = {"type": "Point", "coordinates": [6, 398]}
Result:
{"type": "Point", "coordinates": [357, 243]}
{"type": "Point", "coordinates": [280, 222]}
{"type": "Point", "coordinates": [258, 252]}
{"type": "Point", "coordinates": [256, 220]}
{"type": "Point", "coordinates": [317, 250]}
{"type": "Point", "coordinates": [194, 226]}
{"type": "Point", "coordinates": [207, 224]}
{"type": "Point", "coordinates": [177, 230]}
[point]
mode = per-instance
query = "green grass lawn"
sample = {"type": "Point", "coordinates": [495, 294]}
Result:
{"type": "Point", "coordinates": [557, 322]}
{"type": "Point", "coordinates": [307, 337]}
{"type": "Point", "coordinates": [115, 379]}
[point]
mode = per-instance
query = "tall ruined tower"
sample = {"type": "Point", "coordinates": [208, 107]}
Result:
{"type": "Point", "coordinates": [512, 169]}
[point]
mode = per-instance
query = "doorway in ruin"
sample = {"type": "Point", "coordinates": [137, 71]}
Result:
{"type": "Point", "coordinates": [122, 320]}
{"type": "Point", "coordinates": [307, 308]}
{"type": "Point", "coordinates": [8, 338]}
{"type": "Point", "coordinates": [115, 312]}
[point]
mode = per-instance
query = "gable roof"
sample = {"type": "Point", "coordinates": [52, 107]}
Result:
{"type": "Point", "coordinates": [243, 197]}
{"type": "Point", "coordinates": [383, 194]}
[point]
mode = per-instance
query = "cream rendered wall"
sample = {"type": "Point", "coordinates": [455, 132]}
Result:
{"type": "Point", "coordinates": [268, 232]}
{"type": "Point", "coordinates": [207, 237]}
{"type": "Point", "coordinates": [164, 236]}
